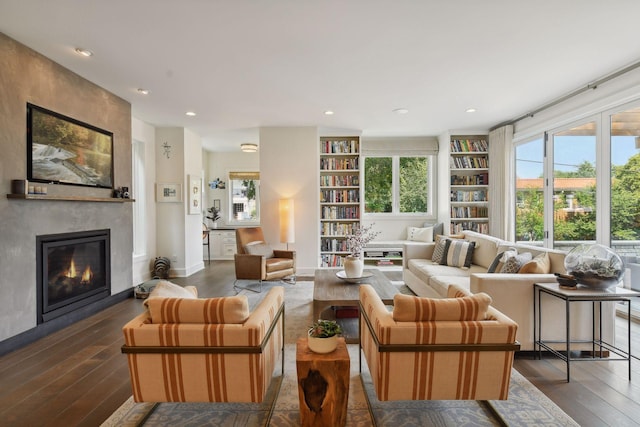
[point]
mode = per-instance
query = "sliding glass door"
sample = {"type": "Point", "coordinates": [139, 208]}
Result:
{"type": "Point", "coordinates": [574, 185]}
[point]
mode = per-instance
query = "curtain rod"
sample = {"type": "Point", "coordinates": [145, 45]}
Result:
{"type": "Point", "coordinates": [590, 86]}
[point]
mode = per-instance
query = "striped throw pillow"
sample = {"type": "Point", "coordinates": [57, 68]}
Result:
{"type": "Point", "coordinates": [407, 308]}
{"type": "Point", "coordinates": [207, 310]}
{"type": "Point", "coordinates": [458, 253]}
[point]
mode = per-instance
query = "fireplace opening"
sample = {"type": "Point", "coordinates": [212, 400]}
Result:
{"type": "Point", "coordinates": [74, 270]}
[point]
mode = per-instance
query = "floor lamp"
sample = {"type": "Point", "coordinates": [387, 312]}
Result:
{"type": "Point", "coordinates": [287, 229]}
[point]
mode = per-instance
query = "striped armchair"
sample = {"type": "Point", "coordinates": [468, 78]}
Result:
{"type": "Point", "coordinates": [205, 350]}
{"type": "Point", "coordinates": [423, 351]}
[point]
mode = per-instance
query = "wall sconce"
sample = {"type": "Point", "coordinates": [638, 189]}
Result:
{"type": "Point", "coordinates": [249, 148]}
{"type": "Point", "coordinates": [287, 222]}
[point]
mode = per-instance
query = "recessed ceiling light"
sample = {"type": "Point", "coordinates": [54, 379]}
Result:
{"type": "Point", "coordinates": [249, 148]}
{"type": "Point", "coordinates": [328, 113]}
{"type": "Point", "coordinates": [143, 91]}
{"type": "Point", "coordinates": [190, 113]}
{"type": "Point", "coordinates": [400, 111]}
{"type": "Point", "coordinates": [470, 110]}
{"type": "Point", "coordinates": [83, 52]}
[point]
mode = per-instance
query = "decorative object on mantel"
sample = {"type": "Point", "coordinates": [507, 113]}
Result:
{"type": "Point", "coordinates": [323, 336]}
{"type": "Point", "coordinates": [19, 186]}
{"type": "Point", "coordinates": [354, 263]}
{"type": "Point", "coordinates": [594, 266]}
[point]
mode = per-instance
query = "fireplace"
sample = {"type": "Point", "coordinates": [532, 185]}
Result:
{"type": "Point", "coordinates": [73, 270]}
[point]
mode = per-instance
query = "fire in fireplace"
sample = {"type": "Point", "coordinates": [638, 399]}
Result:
{"type": "Point", "coordinates": [73, 271]}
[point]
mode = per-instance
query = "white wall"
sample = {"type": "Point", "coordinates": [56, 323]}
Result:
{"type": "Point", "coordinates": [193, 223]}
{"type": "Point", "coordinates": [143, 263]}
{"type": "Point", "coordinates": [289, 165]}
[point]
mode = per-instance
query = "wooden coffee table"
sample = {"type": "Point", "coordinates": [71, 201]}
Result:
{"type": "Point", "coordinates": [330, 291]}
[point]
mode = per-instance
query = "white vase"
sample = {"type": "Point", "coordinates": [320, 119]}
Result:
{"type": "Point", "coordinates": [214, 225]}
{"type": "Point", "coordinates": [353, 267]}
{"type": "Point", "coordinates": [323, 345]}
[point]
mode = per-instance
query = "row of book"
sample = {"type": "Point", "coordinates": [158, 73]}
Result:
{"type": "Point", "coordinates": [340, 212]}
{"type": "Point", "coordinates": [469, 196]}
{"type": "Point", "coordinates": [337, 228]}
{"type": "Point", "coordinates": [340, 196]}
{"type": "Point", "coordinates": [462, 145]}
{"type": "Point", "coordinates": [339, 180]}
{"type": "Point", "coordinates": [478, 179]}
{"type": "Point", "coordinates": [469, 212]}
{"type": "Point", "coordinates": [347, 146]}
{"type": "Point", "coordinates": [332, 164]}
{"type": "Point", "coordinates": [330, 260]}
{"type": "Point", "coordinates": [468, 162]}
{"type": "Point", "coordinates": [480, 227]}
{"type": "Point", "coordinates": [334, 245]}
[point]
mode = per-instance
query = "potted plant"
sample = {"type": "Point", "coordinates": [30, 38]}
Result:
{"type": "Point", "coordinates": [356, 241]}
{"type": "Point", "coordinates": [323, 336]}
{"type": "Point", "coordinates": [214, 215]}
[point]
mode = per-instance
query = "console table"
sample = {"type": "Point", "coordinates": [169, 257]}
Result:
{"type": "Point", "coordinates": [596, 297]}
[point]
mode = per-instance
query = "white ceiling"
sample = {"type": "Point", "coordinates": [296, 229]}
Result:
{"type": "Point", "coordinates": [243, 64]}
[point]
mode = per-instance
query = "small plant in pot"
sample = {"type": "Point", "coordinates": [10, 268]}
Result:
{"type": "Point", "coordinates": [323, 336]}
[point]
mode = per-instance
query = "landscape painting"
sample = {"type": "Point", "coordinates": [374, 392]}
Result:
{"type": "Point", "coordinates": [63, 150]}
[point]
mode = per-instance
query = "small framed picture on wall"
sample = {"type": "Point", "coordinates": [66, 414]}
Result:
{"type": "Point", "coordinates": [168, 193]}
{"type": "Point", "coordinates": [195, 195]}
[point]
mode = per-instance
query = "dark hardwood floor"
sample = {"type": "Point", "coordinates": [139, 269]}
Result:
{"type": "Point", "coordinates": [78, 377]}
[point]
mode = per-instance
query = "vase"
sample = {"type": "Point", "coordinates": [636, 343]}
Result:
{"type": "Point", "coordinates": [594, 266]}
{"type": "Point", "coordinates": [323, 345]}
{"type": "Point", "coordinates": [353, 266]}
{"type": "Point", "coordinates": [214, 225]}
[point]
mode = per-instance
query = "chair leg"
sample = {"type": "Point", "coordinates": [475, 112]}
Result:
{"type": "Point", "coordinates": [238, 288]}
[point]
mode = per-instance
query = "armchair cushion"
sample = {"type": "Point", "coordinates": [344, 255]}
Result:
{"type": "Point", "coordinates": [166, 289]}
{"type": "Point", "coordinates": [407, 308]}
{"type": "Point", "coordinates": [259, 248]}
{"type": "Point", "coordinates": [204, 311]}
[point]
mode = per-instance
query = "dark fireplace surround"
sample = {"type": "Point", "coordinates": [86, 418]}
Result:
{"type": "Point", "coordinates": [73, 271]}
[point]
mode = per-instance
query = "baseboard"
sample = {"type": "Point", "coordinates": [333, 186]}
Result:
{"type": "Point", "coordinates": [44, 329]}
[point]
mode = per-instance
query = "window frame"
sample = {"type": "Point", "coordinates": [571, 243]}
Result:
{"type": "Point", "coordinates": [395, 187]}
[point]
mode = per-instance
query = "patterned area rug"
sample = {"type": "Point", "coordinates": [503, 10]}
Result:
{"type": "Point", "coordinates": [527, 406]}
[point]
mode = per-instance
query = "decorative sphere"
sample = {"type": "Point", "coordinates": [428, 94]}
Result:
{"type": "Point", "coordinates": [594, 266]}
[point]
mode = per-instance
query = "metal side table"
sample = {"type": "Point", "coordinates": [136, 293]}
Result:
{"type": "Point", "coordinates": [596, 297]}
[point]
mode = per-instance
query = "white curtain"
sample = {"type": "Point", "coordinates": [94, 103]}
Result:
{"type": "Point", "coordinates": [501, 183]}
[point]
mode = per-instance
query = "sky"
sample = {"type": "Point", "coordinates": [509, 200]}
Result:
{"type": "Point", "coordinates": [570, 150]}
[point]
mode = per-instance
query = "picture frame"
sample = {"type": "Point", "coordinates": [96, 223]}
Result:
{"type": "Point", "coordinates": [168, 193]}
{"type": "Point", "coordinates": [216, 203]}
{"type": "Point", "coordinates": [64, 150]}
{"type": "Point", "coordinates": [195, 194]}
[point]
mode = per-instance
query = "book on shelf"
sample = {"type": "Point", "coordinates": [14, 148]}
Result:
{"type": "Point", "coordinates": [384, 261]}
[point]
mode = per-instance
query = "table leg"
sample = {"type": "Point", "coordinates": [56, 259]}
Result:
{"type": "Point", "coordinates": [568, 312]}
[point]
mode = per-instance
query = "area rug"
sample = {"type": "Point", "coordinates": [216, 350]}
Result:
{"type": "Point", "coordinates": [527, 406]}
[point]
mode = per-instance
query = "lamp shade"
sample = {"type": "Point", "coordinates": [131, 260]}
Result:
{"type": "Point", "coordinates": [287, 223]}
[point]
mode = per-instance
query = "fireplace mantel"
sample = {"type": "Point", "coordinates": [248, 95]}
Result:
{"type": "Point", "coordinates": [68, 198]}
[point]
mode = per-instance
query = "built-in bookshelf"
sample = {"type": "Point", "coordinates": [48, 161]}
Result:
{"type": "Point", "coordinates": [339, 196]}
{"type": "Point", "coordinates": [469, 184]}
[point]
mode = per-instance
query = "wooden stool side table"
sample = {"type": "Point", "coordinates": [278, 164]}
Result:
{"type": "Point", "coordinates": [323, 385]}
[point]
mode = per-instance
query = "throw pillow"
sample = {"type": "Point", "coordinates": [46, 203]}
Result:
{"type": "Point", "coordinates": [166, 289]}
{"type": "Point", "coordinates": [457, 291]}
{"type": "Point", "coordinates": [416, 234]}
{"type": "Point", "coordinates": [541, 264]}
{"type": "Point", "coordinates": [458, 253]}
{"type": "Point", "coordinates": [407, 308]}
{"type": "Point", "coordinates": [259, 248]}
{"type": "Point", "coordinates": [209, 310]}
{"type": "Point", "coordinates": [497, 264]}
{"type": "Point", "coordinates": [438, 251]}
{"type": "Point", "coordinates": [514, 263]}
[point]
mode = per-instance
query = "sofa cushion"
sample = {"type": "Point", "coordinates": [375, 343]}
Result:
{"type": "Point", "coordinates": [439, 251]}
{"type": "Point", "coordinates": [408, 308]}
{"type": "Point", "coordinates": [458, 253]}
{"type": "Point", "coordinates": [456, 291]}
{"type": "Point", "coordinates": [259, 248]}
{"type": "Point", "coordinates": [486, 247]}
{"type": "Point", "coordinates": [208, 310]}
{"type": "Point", "coordinates": [514, 263]}
{"type": "Point", "coordinates": [416, 234]}
{"type": "Point", "coordinates": [539, 265]}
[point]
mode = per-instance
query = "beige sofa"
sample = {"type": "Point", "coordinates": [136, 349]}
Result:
{"type": "Point", "coordinates": [512, 293]}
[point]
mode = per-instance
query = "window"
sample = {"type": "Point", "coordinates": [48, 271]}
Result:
{"type": "Point", "coordinates": [244, 189]}
{"type": "Point", "coordinates": [530, 191]}
{"type": "Point", "coordinates": [398, 185]}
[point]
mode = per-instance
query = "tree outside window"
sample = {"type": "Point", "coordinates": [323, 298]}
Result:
{"type": "Point", "coordinates": [407, 175]}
